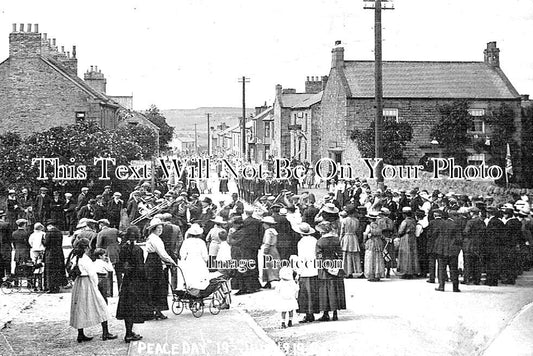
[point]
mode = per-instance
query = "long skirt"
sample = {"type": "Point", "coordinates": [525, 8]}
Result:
{"type": "Point", "coordinates": [268, 272]}
{"type": "Point", "coordinates": [374, 264]}
{"type": "Point", "coordinates": [308, 300]}
{"type": "Point", "coordinates": [157, 285]}
{"type": "Point", "coordinates": [352, 263]}
{"type": "Point", "coordinates": [331, 294]}
{"type": "Point", "coordinates": [407, 256]}
{"type": "Point", "coordinates": [87, 306]}
{"type": "Point", "coordinates": [133, 301]}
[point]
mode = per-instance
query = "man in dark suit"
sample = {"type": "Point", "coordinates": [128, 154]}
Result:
{"type": "Point", "coordinates": [88, 210]}
{"type": "Point", "coordinates": [41, 206]}
{"type": "Point", "coordinates": [236, 205]}
{"type": "Point", "coordinates": [114, 207]}
{"type": "Point", "coordinates": [513, 235]}
{"type": "Point", "coordinates": [494, 235]}
{"type": "Point", "coordinates": [83, 198]}
{"type": "Point", "coordinates": [172, 238]}
{"type": "Point", "coordinates": [5, 247]}
{"type": "Point", "coordinates": [254, 230]}
{"type": "Point", "coordinates": [447, 248]}
{"type": "Point", "coordinates": [69, 210]}
{"type": "Point", "coordinates": [474, 237]}
{"type": "Point", "coordinates": [434, 229]}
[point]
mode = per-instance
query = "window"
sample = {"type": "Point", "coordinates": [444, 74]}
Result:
{"type": "Point", "coordinates": [390, 114]}
{"type": "Point", "coordinates": [267, 129]}
{"type": "Point", "coordinates": [478, 122]}
{"type": "Point", "coordinates": [267, 152]}
{"type": "Point", "coordinates": [80, 116]}
{"type": "Point", "coordinates": [476, 159]}
{"type": "Point", "coordinates": [305, 122]}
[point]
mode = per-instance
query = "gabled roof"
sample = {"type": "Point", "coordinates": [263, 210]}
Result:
{"type": "Point", "coordinates": [77, 81]}
{"type": "Point", "coordinates": [264, 114]}
{"type": "Point", "coordinates": [453, 80]}
{"type": "Point", "coordinates": [300, 100]}
{"type": "Point", "coordinates": [185, 139]}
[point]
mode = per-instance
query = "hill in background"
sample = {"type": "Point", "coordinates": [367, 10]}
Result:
{"type": "Point", "coordinates": [183, 120]}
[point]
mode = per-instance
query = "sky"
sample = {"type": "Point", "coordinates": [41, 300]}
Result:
{"type": "Point", "coordinates": [191, 53]}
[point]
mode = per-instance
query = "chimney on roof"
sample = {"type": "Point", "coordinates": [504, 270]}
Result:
{"type": "Point", "coordinates": [36, 28]}
{"type": "Point", "coordinates": [24, 44]}
{"type": "Point", "coordinates": [73, 51]}
{"type": "Point", "coordinates": [525, 97]}
{"type": "Point", "coordinates": [492, 55]}
{"type": "Point", "coordinates": [95, 78]}
{"type": "Point", "coordinates": [337, 55]}
{"type": "Point", "coordinates": [315, 84]}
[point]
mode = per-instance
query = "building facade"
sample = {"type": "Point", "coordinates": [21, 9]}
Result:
{"type": "Point", "coordinates": [412, 92]}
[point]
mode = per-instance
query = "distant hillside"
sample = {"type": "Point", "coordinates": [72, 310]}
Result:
{"type": "Point", "coordinates": [184, 119]}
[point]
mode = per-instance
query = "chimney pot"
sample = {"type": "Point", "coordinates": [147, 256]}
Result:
{"type": "Point", "coordinates": [21, 27]}
{"type": "Point", "coordinates": [29, 27]}
{"type": "Point", "coordinates": [68, 54]}
{"type": "Point", "coordinates": [96, 68]}
{"type": "Point", "coordinates": [62, 49]}
{"type": "Point", "coordinates": [73, 51]}
{"type": "Point", "coordinates": [45, 36]}
{"type": "Point", "coordinates": [53, 42]}
{"type": "Point", "coordinates": [92, 68]}
{"type": "Point", "coordinates": [14, 27]}
{"type": "Point", "coordinates": [337, 43]}
{"type": "Point", "coordinates": [36, 28]}
{"type": "Point", "coordinates": [307, 78]}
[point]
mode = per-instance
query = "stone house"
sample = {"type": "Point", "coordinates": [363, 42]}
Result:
{"type": "Point", "coordinates": [40, 88]}
{"type": "Point", "coordinates": [412, 92]}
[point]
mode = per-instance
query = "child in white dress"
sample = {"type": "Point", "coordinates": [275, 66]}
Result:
{"type": "Point", "coordinates": [287, 291]}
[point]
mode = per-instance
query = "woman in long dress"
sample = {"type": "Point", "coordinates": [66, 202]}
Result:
{"type": "Point", "coordinates": [349, 244]}
{"type": "Point", "coordinates": [270, 272]}
{"type": "Point", "coordinates": [87, 307]}
{"type": "Point", "coordinates": [408, 264]}
{"type": "Point", "coordinates": [374, 264]}
{"type": "Point", "coordinates": [157, 283]}
{"type": "Point", "coordinates": [331, 293]}
{"type": "Point", "coordinates": [308, 302]}
{"type": "Point", "coordinates": [193, 259]}
{"type": "Point", "coordinates": [132, 300]}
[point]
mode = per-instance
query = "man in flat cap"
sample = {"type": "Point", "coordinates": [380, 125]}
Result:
{"type": "Point", "coordinates": [83, 198]}
{"type": "Point", "coordinates": [495, 233]}
{"type": "Point", "coordinates": [107, 195]}
{"type": "Point", "coordinates": [5, 247]}
{"type": "Point", "coordinates": [114, 207]}
{"type": "Point", "coordinates": [41, 206]}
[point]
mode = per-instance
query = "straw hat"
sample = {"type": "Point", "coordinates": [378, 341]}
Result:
{"type": "Point", "coordinates": [82, 223]}
{"type": "Point", "coordinates": [154, 223]}
{"type": "Point", "coordinates": [304, 229]}
{"type": "Point", "coordinates": [268, 220]}
{"type": "Point", "coordinates": [373, 215]}
{"type": "Point", "coordinates": [195, 229]}
{"type": "Point", "coordinates": [330, 208]}
{"type": "Point", "coordinates": [324, 227]}
{"type": "Point", "coordinates": [218, 220]}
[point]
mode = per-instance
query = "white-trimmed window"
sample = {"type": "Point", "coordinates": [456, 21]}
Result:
{"type": "Point", "coordinates": [267, 128]}
{"type": "Point", "coordinates": [476, 159]}
{"type": "Point", "coordinates": [478, 122]}
{"type": "Point", "coordinates": [390, 114]}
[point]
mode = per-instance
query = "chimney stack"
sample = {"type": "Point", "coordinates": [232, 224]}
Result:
{"type": "Point", "coordinates": [337, 57]}
{"type": "Point", "coordinates": [492, 55]}
{"type": "Point", "coordinates": [53, 42]}
{"type": "Point", "coordinates": [62, 49]}
{"type": "Point", "coordinates": [24, 44]}
{"type": "Point", "coordinates": [29, 27]}
{"type": "Point", "coordinates": [95, 79]}
{"type": "Point", "coordinates": [21, 27]}
{"type": "Point", "coordinates": [36, 28]}
{"type": "Point", "coordinates": [14, 27]}
{"type": "Point", "coordinates": [73, 51]}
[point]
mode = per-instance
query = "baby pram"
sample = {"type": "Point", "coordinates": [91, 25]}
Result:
{"type": "Point", "coordinates": [217, 294]}
{"type": "Point", "coordinates": [24, 272]}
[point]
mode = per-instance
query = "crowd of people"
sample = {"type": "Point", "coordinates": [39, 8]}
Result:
{"type": "Point", "coordinates": [372, 232]}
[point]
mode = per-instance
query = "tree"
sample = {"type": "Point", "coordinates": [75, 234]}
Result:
{"type": "Point", "coordinates": [166, 131]}
{"type": "Point", "coordinates": [527, 145]}
{"type": "Point", "coordinates": [451, 130]}
{"type": "Point", "coordinates": [395, 138]}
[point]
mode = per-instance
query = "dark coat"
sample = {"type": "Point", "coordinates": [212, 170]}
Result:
{"type": "Point", "coordinates": [309, 214]}
{"type": "Point", "coordinates": [242, 245]}
{"type": "Point", "coordinates": [56, 212]}
{"type": "Point", "coordinates": [328, 247]}
{"type": "Point", "coordinates": [113, 212]}
{"type": "Point", "coordinates": [70, 207]}
{"type": "Point", "coordinates": [448, 241]}
{"type": "Point", "coordinates": [495, 234]}
{"type": "Point", "coordinates": [474, 236]}
{"type": "Point", "coordinates": [108, 240]}
{"type": "Point", "coordinates": [133, 296]}
{"type": "Point", "coordinates": [21, 245]}
{"type": "Point", "coordinates": [86, 212]}
{"type": "Point", "coordinates": [434, 230]}
{"type": "Point", "coordinates": [54, 259]}
{"type": "Point", "coordinates": [254, 229]}
{"type": "Point", "coordinates": [513, 233]}
{"type": "Point", "coordinates": [287, 239]}
{"type": "Point", "coordinates": [5, 241]}
{"type": "Point", "coordinates": [41, 208]}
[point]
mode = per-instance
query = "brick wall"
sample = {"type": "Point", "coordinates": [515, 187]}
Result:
{"type": "Point", "coordinates": [35, 97]}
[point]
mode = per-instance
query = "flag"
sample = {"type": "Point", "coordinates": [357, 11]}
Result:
{"type": "Point", "coordinates": [508, 163]}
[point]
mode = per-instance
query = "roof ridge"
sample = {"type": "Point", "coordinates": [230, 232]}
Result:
{"type": "Point", "coordinates": [407, 61]}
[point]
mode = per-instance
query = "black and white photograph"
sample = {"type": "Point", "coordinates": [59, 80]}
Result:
{"type": "Point", "coordinates": [284, 177]}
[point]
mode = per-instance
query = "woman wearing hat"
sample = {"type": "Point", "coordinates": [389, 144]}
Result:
{"type": "Point", "coordinates": [349, 243]}
{"type": "Point", "coordinates": [157, 284]}
{"type": "Point", "coordinates": [132, 301]}
{"type": "Point", "coordinates": [193, 258]}
{"type": "Point", "coordinates": [308, 302]}
{"type": "Point", "coordinates": [374, 264]}
{"type": "Point", "coordinates": [408, 264]}
{"type": "Point", "coordinates": [331, 292]}
{"type": "Point", "coordinates": [212, 239]}
{"type": "Point", "coordinates": [270, 272]}
{"type": "Point", "coordinates": [329, 213]}
{"type": "Point", "coordinates": [13, 209]}
{"type": "Point", "coordinates": [54, 259]}
{"type": "Point", "coordinates": [87, 307]}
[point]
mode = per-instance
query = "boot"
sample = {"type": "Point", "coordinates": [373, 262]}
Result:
{"type": "Point", "coordinates": [106, 335]}
{"type": "Point", "coordinates": [82, 337]}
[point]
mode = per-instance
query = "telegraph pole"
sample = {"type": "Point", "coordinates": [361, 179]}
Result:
{"type": "Point", "coordinates": [378, 77]}
{"type": "Point", "coordinates": [243, 80]}
{"type": "Point", "coordinates": [195, 140]}
{"type": "Point", "coordinates": [208, 136]}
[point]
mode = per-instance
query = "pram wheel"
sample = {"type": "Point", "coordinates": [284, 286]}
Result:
{"type": "Point", "coordinates": [197, 309]}
{"type": "Point", "coordinates": [214, 306]}
{"type": "Point", "coordinates": [7, 287]}
{"type": "Point", "coordinates": [177, 306]}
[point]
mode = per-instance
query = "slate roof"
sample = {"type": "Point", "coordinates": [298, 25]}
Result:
{"type": "Point", "coordinates": [446, 80]}
{"type": "Point", "coordinates": [300, 100]}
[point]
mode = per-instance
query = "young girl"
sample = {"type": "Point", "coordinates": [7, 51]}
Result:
{"type": "Point", "coordinates": [103, 267]}
{"type": "Point", "coordinates": [287, 290]}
